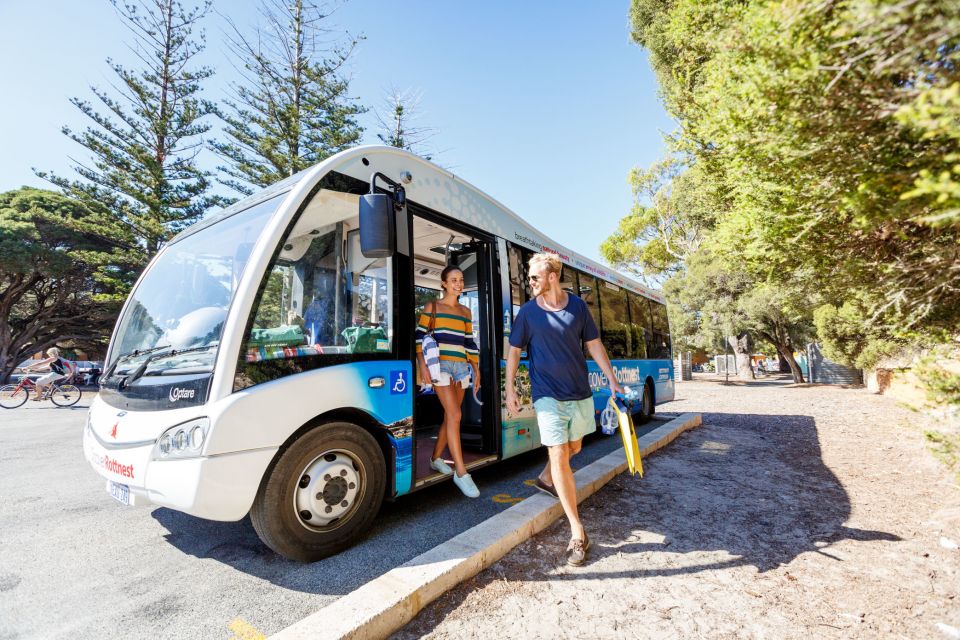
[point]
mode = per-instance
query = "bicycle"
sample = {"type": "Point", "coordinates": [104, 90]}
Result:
{"type": "Point", "coordinates": [62, 395]}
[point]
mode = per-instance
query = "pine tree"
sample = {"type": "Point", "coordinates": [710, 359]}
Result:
{"type": "Point", "coordinates": [292, 108]}
{"type": "Point", "coordinates": [397, 121]}
{"type": "Point", "coordinates": [143, 167]}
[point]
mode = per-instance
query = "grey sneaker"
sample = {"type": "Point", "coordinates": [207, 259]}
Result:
{"type": "Point", "coordinates": [465, 484]}
{"type": "Point", "coordinates": [439, 465]}
{"type": "Point", "coordinates": [577, 550]}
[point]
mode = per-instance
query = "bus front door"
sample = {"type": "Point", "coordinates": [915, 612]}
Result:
{"type": "Point", "coordinates": [477, 429]}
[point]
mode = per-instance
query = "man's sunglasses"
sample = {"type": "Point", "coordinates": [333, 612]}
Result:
{"type": "Point", "coordinates": [533, 278]}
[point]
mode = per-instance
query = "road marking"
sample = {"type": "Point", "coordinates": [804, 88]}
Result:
{"type": "Point", "coordinates": [506, 498]}
{"type": "Point", "coordinates": [243, 630]}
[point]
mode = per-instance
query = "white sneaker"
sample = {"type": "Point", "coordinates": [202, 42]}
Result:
{"type": "Point", "coordinates": [441, 466]}
{"type": "Point", "coordinates": [465, 484]}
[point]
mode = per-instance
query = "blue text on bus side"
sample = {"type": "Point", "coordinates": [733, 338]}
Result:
{"type": "Point", "coordinates": [624, 375]}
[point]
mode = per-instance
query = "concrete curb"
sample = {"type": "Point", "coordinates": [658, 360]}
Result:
{"type": "Point", "coordinates": [385, 604]}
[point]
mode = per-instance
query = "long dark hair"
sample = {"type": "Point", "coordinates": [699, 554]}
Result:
{"type": "Point", "coordinates": [447, 271]}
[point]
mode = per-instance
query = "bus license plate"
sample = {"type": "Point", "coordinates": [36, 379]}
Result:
{"type": "Point", "coordinates": [120, 492]}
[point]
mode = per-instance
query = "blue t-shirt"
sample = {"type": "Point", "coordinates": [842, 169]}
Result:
{"type": "Point", "coordinates": [554, 343]}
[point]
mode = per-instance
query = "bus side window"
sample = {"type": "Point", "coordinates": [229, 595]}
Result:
{"type": "Point", "coordinates": [661, 331]}
{"type": "Point", "coordinates": [639, 325]}
{"type": "Point", "coordinates": [517, 258]}
{"type": "Point", "coordinates": [568, 280]}
{"type": "Point", "coordinates": [296, 306]}
{"type": "Point", "coordinates": [368, 298]}
{"type": "Point", "coordinates": [588, 291]}
{"type": "Point", "coordinates": [322, 296]}
{"type": "Point", "coordinates": [613, 309]}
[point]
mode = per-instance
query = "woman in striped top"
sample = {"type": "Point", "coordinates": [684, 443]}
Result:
{"type": "Point", "coordinates": [452, 326]}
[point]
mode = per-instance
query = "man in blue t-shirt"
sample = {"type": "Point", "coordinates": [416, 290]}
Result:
{"type": "Point", "coordinates": [553, 328]}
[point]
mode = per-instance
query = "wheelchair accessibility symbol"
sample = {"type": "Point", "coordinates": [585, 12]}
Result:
{"type": "Point", "coordinates": [397, 382]}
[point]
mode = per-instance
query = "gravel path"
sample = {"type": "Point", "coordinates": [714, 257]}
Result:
{"type": "Point", "coordinates": [795, 511]}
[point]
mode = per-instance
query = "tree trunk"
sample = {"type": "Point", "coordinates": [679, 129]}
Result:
{"type": "Point", "coordinates": [794, 367]}
{"type": "Point", "coordinates": [7, 362]}
{"type": "Point", "coordinates": [785, 351]}
{"type": "Point", "coordinates": [784, 366]}
{"type": "Point", "coordinates": [742, 347]}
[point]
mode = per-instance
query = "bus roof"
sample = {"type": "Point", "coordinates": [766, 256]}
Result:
{"type": "Point", "coordinates": [434, 187]}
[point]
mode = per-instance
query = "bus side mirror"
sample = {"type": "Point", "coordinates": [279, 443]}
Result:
{"type": "Point", "coordinates": [378, 226]}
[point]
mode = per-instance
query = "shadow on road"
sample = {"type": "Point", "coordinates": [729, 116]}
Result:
{"type": "Point", "coordinates": [236, 544]}
{"type": "Point", "coordinates": [403, 529]}
{"type": "Point", "coordinates": [742, 490]}
{"type": "Point", "coordinates": [753, 486]}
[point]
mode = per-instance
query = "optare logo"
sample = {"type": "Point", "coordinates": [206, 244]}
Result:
{"type": "Point", "coordinates": [176, 393]}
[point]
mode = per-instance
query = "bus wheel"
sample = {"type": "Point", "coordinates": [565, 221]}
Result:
{"type": "Point", "coordinates": [322, 493]}
{"type": "Point", "coordinates": [646, 407]}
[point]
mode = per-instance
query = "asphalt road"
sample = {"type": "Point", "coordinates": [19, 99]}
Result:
{"type": "Point", "coordinates": [76, 564]}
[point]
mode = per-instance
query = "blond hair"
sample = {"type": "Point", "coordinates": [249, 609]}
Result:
{"type": "Point", "coordinates": [550, 261]}
{"type": "Point", "coordinates": [53, 351]}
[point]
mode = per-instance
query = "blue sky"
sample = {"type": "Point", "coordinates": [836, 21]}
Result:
{"type": "Point", "coordinates": [544, 105]}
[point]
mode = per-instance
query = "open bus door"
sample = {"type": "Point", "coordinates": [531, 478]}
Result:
{"type": "Point", "coordinates": [478, 429]}
{"type": "Point", "coordinates": [479, 425]}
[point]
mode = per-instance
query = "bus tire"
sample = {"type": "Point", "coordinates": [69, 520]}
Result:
{"type": "Point", "coordinates": [646, 405]}
{"type": "Point", "coordinates": [322, 494]}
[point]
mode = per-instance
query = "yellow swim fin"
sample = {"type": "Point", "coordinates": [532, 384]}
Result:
{"type": "Point", "coordinates": [629, 436]}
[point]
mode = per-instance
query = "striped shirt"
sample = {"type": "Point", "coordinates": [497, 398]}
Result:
{"type": "Point", "coordinates": [454, 334]}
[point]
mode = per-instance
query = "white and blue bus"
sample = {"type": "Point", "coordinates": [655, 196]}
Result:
{"type": "Point", "coordinates": [264, 362]}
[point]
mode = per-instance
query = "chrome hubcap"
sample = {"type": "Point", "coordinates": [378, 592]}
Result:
{"type": "Point", "coordinates": [329, 490]}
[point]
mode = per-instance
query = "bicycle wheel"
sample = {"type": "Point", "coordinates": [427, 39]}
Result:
{"type": "Point", "coordinates": [12, 396]}
{"type": "Point", "coordinates": [65, 395]}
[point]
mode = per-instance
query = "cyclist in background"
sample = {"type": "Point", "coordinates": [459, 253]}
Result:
{"type": "Point", "coordinates": [58, 367]}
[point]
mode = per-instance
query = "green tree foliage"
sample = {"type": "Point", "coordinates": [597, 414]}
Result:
{"type": "Point", "coordinates": [674, 207]}
{"type": "Point", "coordinates": [292, 108]}
{"type": "Point", "coordinates": [142, 169]}
{"type": "Point", "coordinates": [939, 371]}
{"type": "Point", "coordinates": [847, 335]}
{"type": "Point", "coordinates": [826, 138]}
{"type": "Point", "coordinates": [59, 275]}
{"type": "Point", "coordinates": [714, 302]}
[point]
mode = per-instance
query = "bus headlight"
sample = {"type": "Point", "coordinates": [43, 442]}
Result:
{"type": "Point", "coordinates": [184, 440]}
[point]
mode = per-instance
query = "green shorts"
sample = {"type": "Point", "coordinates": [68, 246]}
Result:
{"type": "Point", "coordinates": [563, 421]}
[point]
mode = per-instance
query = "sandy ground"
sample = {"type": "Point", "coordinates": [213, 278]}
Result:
{"type": "Point", "coordinates": [795, 511]}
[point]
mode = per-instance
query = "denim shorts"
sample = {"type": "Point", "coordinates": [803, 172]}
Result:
{"type": "Point", "coordinates": [453, 371]}
{"type": "Point", "coordinates": [563, 421]}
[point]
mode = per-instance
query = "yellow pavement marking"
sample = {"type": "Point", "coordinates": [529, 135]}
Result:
{"type": "Point", "coordinates": [506, 498]}
{"type": "Point", "coordinates": [243, 630]}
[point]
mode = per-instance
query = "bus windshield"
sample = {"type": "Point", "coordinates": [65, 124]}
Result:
{"type": "Point", "coordinates": [182, 302]}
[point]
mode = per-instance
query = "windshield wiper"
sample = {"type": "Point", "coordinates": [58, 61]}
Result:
{"type": "Point", "coordinates": [126, 356]}
{"type": "Point", "coordinates": [138, 373]}
{"type": "Point", "coordinates": [180, 352]}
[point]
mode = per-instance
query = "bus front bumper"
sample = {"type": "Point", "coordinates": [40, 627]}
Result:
{"type": "Point", "coordinates": [220, 487]}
